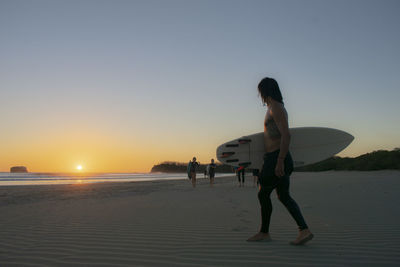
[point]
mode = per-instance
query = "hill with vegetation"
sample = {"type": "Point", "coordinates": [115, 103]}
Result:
{"type": "Point", "coordinates": [377, 160]}
{"type": "Point", "coordinates": [174, 167]}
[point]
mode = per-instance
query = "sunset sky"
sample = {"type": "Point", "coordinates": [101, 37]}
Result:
{"type": "Point", "coordinates": [118, 86]}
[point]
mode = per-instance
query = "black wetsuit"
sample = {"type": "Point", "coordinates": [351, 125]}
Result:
{"type": "Point", "coordinates": [241, 173]}
{"type": "Point", "coordinates": [194, 166]}
{"type": "Point", "coordinates": [211, 170]}
{"type": "Point", "coordinates": [256, 173]}
{"type": "Point", "coordinates": [269, 181]}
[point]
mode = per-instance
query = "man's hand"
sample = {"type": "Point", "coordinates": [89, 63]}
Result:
{"type": "Point", "coordinates": [280, 168]}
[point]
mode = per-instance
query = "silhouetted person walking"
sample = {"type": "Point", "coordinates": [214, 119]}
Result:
{"type": "Point", "coordinates": [278, 164]}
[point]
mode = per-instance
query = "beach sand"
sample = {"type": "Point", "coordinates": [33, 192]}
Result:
{"type": "Point", "coordinates": [355, 217]}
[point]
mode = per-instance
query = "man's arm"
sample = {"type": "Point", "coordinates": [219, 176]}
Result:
{"type": "Point", "coordinates": [281, 120]}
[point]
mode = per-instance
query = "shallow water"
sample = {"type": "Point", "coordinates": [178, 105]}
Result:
{"type": "Point", "coordinates": [8, 179]}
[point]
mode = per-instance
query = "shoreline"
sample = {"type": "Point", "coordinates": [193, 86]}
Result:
{"type": "Point", "coordinates": [54, 179]}
{"type": "Point", "coordinates": [45, 181]}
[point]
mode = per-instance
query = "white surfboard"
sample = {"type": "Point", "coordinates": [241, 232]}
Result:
{"type": "Point", "coordinates": [307, 145]}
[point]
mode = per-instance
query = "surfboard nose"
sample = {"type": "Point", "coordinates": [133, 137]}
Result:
{"type": "Point", "coordinates": [351, 137]}
{"type": "Point", "coordinates": [346, 136]}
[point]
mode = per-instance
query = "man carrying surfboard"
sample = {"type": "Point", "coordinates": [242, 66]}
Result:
{"type": "Point", "coordinates": [241, 173]}
{"type": "Point", "coordinates": [278, 164]}
{"type": "Point", "coordinates": [255, 177]}
{"type": "Point", "coordinates": [211, 171]}
{"type": "Point", "coordinates": [192, 169]}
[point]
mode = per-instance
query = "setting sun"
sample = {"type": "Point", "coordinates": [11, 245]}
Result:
{"type": "Point", "coordinates": [79, 167]}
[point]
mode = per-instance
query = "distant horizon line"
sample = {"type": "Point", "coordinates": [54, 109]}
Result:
{"type": "Point", "coordinates": [135, 172]}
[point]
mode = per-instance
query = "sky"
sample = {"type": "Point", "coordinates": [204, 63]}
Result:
{"type": "Point", "coordinates": [118, 86]}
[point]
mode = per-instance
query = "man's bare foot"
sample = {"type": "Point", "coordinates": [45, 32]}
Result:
{"type": "Point", "coordinates": [303, 237]}
{"type": "Point", "coordinates": [260, 236]}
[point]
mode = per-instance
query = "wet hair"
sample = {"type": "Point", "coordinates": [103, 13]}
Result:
{"type": "Point", "coordinates": [269, 87]}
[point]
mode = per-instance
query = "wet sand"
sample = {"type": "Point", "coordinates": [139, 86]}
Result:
{"type": "Point", "coordinates": [355, 217]}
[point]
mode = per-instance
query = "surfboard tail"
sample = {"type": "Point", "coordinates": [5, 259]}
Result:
{"type": "Point", "coordinates": [243, 141]}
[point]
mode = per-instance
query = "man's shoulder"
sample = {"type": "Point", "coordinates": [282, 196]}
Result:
{"type": "Point", "coordinates": [277, 109]}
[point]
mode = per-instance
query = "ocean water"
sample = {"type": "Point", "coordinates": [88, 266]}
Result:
{"type": "Point", "coordinates": [7, 179]}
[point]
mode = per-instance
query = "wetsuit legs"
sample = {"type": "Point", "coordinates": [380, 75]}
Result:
{"type": "Point", "coordinates": [266, 209]}
{"type": "Point", "coordinates": [283, 194]}
{"type": "Point", "coordinates": [282, 188]}
{"type": "Point", "coordinates": [241, 173]}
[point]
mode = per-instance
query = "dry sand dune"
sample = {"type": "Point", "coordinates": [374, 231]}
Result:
{"type": "Point", "coordinates": [355, 217]}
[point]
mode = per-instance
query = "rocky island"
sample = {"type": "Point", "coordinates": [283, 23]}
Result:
{"type": "Point", "coordinates": [18, 169]}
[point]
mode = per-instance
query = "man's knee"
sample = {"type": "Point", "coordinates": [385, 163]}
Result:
{"type": "Point", "coordinates": [264, 193]}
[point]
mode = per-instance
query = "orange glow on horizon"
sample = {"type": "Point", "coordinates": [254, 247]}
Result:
{"type": "Point", "coordinates": [60, 151]}
{"type": "Point", "coordinates": [97, 150]}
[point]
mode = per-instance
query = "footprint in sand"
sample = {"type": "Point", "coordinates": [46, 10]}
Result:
{"type": "Point", "coordinates": [245, 221]}
{"type": "Point", "coordinates": [240, 228]}
{"type": "Point", "coordinates": [242, 213]}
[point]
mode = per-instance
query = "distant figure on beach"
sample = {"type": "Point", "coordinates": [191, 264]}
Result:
{"type": "Point", "coordinates": [193, 166]}
{"type": "Point", "coordinates": [255, 177]}
{"type": "Point", "coordinates": [241, 173]}
{"type": "Point", "coordinates": [278, 164]}
{"type": "Point", "coordinates": [211, 171]}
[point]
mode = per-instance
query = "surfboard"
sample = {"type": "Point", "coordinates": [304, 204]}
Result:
{"type": "Point", "coordinates": [307, 145]}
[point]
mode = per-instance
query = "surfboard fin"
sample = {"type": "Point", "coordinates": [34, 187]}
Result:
{"type": "Point", "coordinates": [244, 141]}
{"type": "Point", "coordinates": [227, 154]}
{"type": "Point", "coordinates": [232, 145]}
